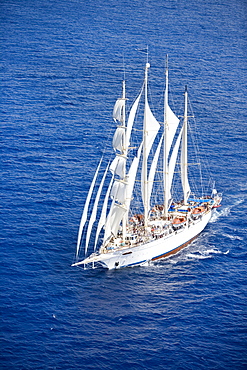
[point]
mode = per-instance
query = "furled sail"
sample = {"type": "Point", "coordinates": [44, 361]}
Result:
{"type": "Point", "coordinates": [85, 211]}
{"type": "Point", "coordinates": [94, 210]}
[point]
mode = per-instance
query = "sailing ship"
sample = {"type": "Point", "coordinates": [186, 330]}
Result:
{"type": "Point", "coordinates": [161, 228]}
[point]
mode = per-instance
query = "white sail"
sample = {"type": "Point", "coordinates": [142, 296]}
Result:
{"type": "Point", "coordinates": [184, 175]}
{"type": "Point", "coordinates": [122, 193]}
{"type": "Point", "coordinates": [132, 177]}
{"type": "Point", "coordinates": [107, 225]}
{"type": "Point", "coordinates": [184, 159]}
{"type": "Point", "coordinates": [151, 128]}
{"type": "Point", "coordinates": [171, 128]}
{"type": "Point", "coordinates": [118, 191]}
{"type": "Point", "coordinates": [117, 211]}
{"type": "Point", "coordinates": [118, 110]}
{"type": "Point", "coordinates": [153, 170]}
{"type": "Point", "coordinates": [118, 139]}
{"type": "Point", "coordinates": [85, 211]}
{"type": "Point", "coordinates": [131, 120]}
{"type": "Point", "coordinates": [118, 165]}
{"type": "Point", "coordinates": [115, 218]}
{"type": "Point", "coordinates": [94, 210]}
{"type": "Point", "coordinates": [102, 219]}
{"type": "Point", "coordinates": [172, 121]}
{"type": "Point", "coordinates": [172, 162]}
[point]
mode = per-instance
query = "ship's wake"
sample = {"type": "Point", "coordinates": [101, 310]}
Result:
{"type": "Point", "coordinates": [208, 253]}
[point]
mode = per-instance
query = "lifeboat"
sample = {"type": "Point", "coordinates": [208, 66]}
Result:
{"type": "Point", "coordinates": [198, 211]}
{"type": "Point", "coordinates": [157, 208]}
{"type": "Point", "coordinates": [178, 222]}
{"type": "Point", "coordinates": [137, 219]}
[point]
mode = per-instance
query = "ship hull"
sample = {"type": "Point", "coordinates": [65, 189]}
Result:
{"type": "Point", "coordinates": [154, 250]}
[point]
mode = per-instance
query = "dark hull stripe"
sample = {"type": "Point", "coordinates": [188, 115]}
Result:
{"type": "Point", "coordinates": [175, 250]}
{"type": "Point", "coordinates": [133, 264]}
{"type": "Point", "coordinates": [160, 256]}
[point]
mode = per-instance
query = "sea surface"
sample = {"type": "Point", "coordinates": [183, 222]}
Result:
{"type": "Point", "coordinates": [61, 71]}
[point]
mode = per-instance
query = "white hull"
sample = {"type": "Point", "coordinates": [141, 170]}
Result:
{"type": "Point", "coordinates": [154, 250]}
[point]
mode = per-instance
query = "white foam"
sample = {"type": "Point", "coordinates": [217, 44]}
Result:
{"type": "Point", "coordinates": [217, 214]}
{"type": "Point", "coordinates": [238, 202]}
{"type": "Point", "coordinates": [197, 256]}
{"type": "Point", "coordinates": [205, 254]}
{"type": "Point", "coordinates": [224, 211]}
{"type": "Point", "coordinates": [233, 237]}
{"type": "Point", "coordinates": [212, 251]}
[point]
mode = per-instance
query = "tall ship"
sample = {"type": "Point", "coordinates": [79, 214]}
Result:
{"type": "Point", "coordinates": [132, 215]}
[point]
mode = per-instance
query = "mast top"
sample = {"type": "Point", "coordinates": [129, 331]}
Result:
{"type": "Point", "coordinates": [166, 62]}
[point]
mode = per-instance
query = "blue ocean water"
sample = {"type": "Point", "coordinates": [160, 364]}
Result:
{"type": "Point", "coordinates": [61, 71]}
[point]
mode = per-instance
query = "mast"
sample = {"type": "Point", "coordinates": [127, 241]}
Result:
{"type": "Point", "coordinates": [166, 173]}
{"type": "Point", "coordinates": [145, 181]}
{"type": "Point", "coordinates": [184, 162]}
{"type": "Point", "coordinates": [123, 118]}
{"type": "Point", "coordinates": [125, 149]}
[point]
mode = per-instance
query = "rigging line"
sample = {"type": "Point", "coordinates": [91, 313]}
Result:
{"type": "Point", "coordinates": [124, 71]}
{"type": "Point", "coordinates": [198, 156]}
{"type": "Point", "coordinates": [198, 139]}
